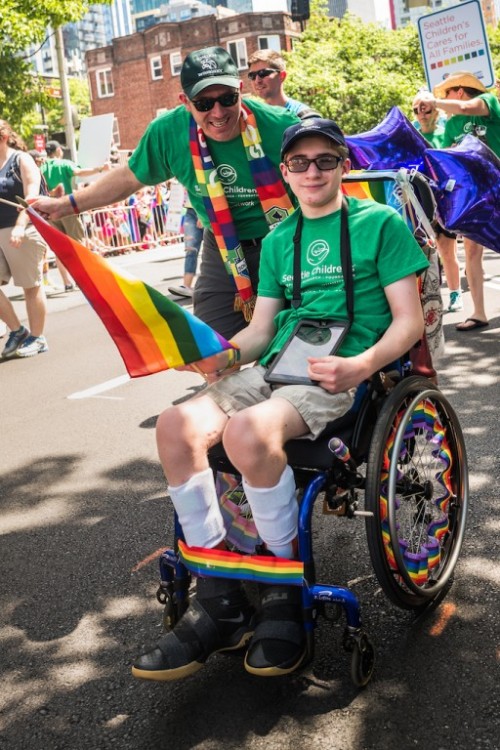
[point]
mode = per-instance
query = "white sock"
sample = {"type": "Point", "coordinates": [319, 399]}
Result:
{"type": "Point", "coordinates": [198, 510]}
{"type": "Point", "coordinates": [275, 513]}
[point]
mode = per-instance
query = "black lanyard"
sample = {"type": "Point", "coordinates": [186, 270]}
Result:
{"type": "Point", "coordinates": [345, 259]}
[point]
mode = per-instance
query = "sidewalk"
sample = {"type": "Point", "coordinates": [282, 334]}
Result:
{"type": "Point", "coordinates": [162, 264]}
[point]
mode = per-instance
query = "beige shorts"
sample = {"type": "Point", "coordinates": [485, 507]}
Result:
{"type": "Point", "coordinates": [24, 264]}
{"type": "Point", "coordinates": [71, 226]}
{"type": "Point", "coordinates": [247, 387]}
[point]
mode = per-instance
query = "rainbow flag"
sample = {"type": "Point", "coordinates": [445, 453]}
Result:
{"type": "Point", "coordinates": [219, 563]}
{"type": "Point", "coordinates": [151, 332]}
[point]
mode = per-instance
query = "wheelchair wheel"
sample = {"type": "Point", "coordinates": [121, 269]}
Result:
{"type": "Point", "coordinates": [417, 490]}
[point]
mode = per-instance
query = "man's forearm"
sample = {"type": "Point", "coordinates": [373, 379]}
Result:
{"type": "Point", "coordinates": [112, 187]}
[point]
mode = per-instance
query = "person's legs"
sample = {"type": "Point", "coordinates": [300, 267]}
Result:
{"type": "Point", "coordinates": [475, 279]}
{"type": "Point", "coordinates": [18, 333]}
{"type": "Point", "coordinates": [219, 617]}
{"type": "Point", "coordinates": [36, 306]}
{"type": "Point", "coordinates": [254, 442]}
{"type": "Point", "coordinates": [447, 249]}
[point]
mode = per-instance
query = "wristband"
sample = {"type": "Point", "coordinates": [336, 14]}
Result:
{"type": "Point", "coordinates": [233, 357]}
{"type": "Point", "coordinates": [73, 203]}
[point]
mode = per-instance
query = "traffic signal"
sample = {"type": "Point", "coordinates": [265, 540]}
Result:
{"type": "Point", "coordinates": [299, 10]}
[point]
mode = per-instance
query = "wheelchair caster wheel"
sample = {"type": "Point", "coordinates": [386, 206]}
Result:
{"type": "Point", "coordinates": [362, 661]}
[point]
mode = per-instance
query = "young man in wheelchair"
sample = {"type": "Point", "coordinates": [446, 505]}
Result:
{"type": "Point", "coordinates": [255, 418]}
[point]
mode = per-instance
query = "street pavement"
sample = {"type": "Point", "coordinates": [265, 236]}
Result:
{"type": "Point", "coordinates": [84, 514]}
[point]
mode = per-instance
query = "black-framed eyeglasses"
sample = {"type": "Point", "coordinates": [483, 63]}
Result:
{"type": "Point", "coordinates": [262, 73]}
{"type": "Point", "coordinates": [324, 163]}
{"type": "Point", "coordinates": [208, 103]}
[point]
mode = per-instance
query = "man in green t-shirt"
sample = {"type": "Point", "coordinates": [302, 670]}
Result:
{"type": "Point", "coordinates": [431, 124]}
{"type": "Point", "coordinates": [472, 110]}
{"type": "Point", "coordinates": [255, 419]}
{"type": "Point", "coordinates": [237, 191]}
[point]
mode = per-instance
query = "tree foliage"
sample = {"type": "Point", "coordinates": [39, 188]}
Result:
{"type": "Point", "coordinates": [22, 23]}
{"type": "Point", "coordinates": [354, 72]}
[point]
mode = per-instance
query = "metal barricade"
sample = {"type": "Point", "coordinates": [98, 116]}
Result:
{"type": "Point", "coordinates": [119, 229]}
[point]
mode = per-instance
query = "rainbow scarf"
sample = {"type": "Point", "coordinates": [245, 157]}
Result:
{"type": "Point", "coordinates": [273, 198]}
{"type": "Point", "coordinates": [151, 332]}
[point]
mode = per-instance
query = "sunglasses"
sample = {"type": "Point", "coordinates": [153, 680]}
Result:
{"type": "Point", "coordinates": [225, 100]}
{"type": "Point", "coordinates": [418, 111]}
{"type": "Point", "coordinates": [261, 73]}
{"type": "Point", "coordinates": [323, 163]}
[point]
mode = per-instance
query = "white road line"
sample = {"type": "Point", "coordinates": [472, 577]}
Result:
{"type": "Point", "coordinates": [101, 388]}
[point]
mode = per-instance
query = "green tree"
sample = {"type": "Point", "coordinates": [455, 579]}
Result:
{"type": "Point", "coordinates": [22, 23]}
{"type": "Point", "coordinates": [352, 71]}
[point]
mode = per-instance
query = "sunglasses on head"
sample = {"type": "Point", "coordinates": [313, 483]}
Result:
{"type": "Point", "coordinates": [208, 103]}
{"type": "Point", "coordinates": [261, 73]}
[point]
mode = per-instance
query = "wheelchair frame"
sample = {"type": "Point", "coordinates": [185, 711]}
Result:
{"type": "Point", "coordinates": [415, 490]}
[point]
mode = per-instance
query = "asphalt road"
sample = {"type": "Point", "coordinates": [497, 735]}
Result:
{"type": "Point", "coordinates": [83, 515]}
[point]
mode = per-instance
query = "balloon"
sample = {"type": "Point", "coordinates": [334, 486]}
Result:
{"type": "Point", "coordinates": [392, 144]}
{"type": "Point", "coordinates": [467, 190]}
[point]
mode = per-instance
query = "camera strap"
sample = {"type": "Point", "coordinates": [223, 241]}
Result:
{"type": "Point", "coordinates": [345, 260]}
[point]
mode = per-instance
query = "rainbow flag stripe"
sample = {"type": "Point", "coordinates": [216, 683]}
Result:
{"type": "Point", "coordinates": [151, 332]}
{"type": "Point", "coordinates": [224, 564]}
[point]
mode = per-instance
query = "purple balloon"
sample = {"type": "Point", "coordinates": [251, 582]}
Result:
{"type": "Point", "coordinates": [467, 190]}
{"type": "Point", "coordinates": [392, 144]}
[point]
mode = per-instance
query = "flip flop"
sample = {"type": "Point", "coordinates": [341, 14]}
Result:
{"type": "Point", "coordinates": [476, 323]}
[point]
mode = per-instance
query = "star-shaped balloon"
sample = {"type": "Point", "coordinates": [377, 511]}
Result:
{"type": "Point", "coordinates": [392, 144]}
{"type": "Point", "coordinates": [467, 190]}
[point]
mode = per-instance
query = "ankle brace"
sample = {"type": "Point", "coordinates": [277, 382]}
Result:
{"type": "Point", "coordinates": [275, 513]}
{"type": "Point", "coordinates": [198, 510]}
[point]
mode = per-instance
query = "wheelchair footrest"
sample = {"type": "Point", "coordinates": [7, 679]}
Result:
{"type": "Point", "coordinates": [217, 563]}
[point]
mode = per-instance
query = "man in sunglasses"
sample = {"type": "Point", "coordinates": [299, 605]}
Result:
{"type": "Point", "coordinates": [471, 110]}
{"type": "Point", "coordinates": [267, 76]}
{"type": "Point", "coordinates": [255, 418]}
{"type": "Point", "coordinates": [226, 153]}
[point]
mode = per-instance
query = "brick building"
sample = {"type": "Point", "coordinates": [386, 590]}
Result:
{"type": "Point", "coordinates": [138, 76]}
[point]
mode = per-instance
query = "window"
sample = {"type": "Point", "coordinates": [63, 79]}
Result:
{"type": "Point", "coordinates": [269, 42]}
{"type": "Point", "coordinates": [238, 51]}
{"type": "Point", "coordinates": [175, 63]}
{"type": "Point", "coordinates": [104, 80]}
{"type": "Point", "coordinates": [156, 68]}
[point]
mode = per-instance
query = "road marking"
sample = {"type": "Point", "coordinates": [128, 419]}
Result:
{"type": "Point", "coordinates": [148, 559]}
{"type": "Point", "coordinates": [101, 388]}
{"type": "Point", "coordinates": [445, 614]}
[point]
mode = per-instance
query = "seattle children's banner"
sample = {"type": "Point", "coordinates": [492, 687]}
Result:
{"type": "Point", "coordinates": [152, 333]}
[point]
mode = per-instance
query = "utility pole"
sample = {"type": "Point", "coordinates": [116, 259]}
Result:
{"type": "Point", "coordinates": [68, 118]}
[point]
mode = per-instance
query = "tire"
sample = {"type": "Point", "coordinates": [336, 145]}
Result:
{"type": "Point", "coordinates": [417, 491]}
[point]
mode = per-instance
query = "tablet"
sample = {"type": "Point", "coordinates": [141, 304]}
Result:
{"type": "Point", "coordinates": [310, 338]}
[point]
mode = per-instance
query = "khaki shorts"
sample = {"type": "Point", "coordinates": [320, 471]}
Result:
{"type": "Point", "coordinates": [247, 387]}
{"type": "Point", "coordinates": [24, 264]}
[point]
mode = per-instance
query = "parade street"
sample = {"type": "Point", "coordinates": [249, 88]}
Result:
{"type": "Point", "coordinates": [84, 515]}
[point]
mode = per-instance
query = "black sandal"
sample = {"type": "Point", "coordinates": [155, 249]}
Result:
{"type": "Point", "coordinates": [278, 646]}
{"type": "Point", "coordinates": [219, 623]}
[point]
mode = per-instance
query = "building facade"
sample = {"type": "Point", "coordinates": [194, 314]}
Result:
{"type": "Point", "coordinates": [409, 11]}
{"type": "Point", "coordinates": [138, 77]}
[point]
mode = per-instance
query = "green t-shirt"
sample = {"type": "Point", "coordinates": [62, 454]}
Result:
{"type": "Point", "coordinates": [57, 171]}
{"type": "Point", "coordinates": [383, 251]}
{"type": "Point", "coordinates": [163, 152]}
{"type": "Point", "coordinates": [435, 138]}
{"type": "Point", "coordinates": [486, 128]}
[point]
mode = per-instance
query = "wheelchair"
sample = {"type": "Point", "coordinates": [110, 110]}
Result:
{"type": "Point", "coordinates": [396, 461]}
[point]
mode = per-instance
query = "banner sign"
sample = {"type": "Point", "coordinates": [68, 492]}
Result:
{"type": "Point", "coordinates": [455, 40]}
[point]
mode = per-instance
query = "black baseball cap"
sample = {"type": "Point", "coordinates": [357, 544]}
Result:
{"type": "Point", "coordinates": [208, 67]}
{"type": "Point", "coordinates": [312, 126]}
{"type": "Point", "coordinates": [52, 146]}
